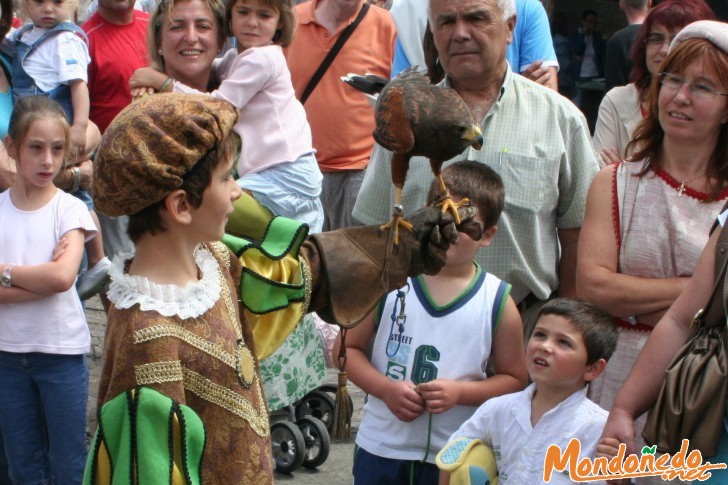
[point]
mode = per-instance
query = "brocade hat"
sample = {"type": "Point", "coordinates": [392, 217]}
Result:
{"type": "Point", "coordinates": [152, 144]}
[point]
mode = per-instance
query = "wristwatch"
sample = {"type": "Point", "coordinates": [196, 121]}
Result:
{"type": "Point", "coordinates": [5, 279]}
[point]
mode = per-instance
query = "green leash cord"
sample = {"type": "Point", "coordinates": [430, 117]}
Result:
{"type": "Point", "coordinates": [429, 434]}
{"type": "Point", "coordinates": [427, 451]}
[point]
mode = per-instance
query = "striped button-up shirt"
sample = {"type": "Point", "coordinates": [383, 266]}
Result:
{"type": "Point", "coordinates": [540, 145]}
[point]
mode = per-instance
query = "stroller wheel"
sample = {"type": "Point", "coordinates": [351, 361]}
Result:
{"type": "Point", "coordinates": [328, 388]}
{"type": "Point", "coordinates": [319, 405]}
{"type": "Point", "coordinates": [289, 449]}
{"type": "Point", "coordinates": [316, 439]}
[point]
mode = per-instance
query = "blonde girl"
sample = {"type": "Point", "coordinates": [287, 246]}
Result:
{"type": "Point", "coordinates": [277, 163]}
{"type": "Point", "coordinates": [43, 331]}
{"type": "Point", "coordinates": [50, 58]}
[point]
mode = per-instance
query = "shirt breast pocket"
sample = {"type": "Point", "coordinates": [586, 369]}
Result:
{"type": "Point", "coordinates": [531, 183]}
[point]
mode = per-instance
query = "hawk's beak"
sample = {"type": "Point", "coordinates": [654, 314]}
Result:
{"type": "Point", "coordinates": [474, 136]}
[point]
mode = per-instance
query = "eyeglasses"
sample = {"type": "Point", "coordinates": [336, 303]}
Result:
{"type": "Point", "coordinates": [658, 40]}
{"type": "Point", "coordinates": [674, 82]}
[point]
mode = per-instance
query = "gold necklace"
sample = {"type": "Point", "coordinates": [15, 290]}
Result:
{"type": "Point", "coordinates": [681, 189]}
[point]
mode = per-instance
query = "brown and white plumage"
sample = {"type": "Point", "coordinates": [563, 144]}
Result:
{"type": "Point", "coordinates": [416, 118]}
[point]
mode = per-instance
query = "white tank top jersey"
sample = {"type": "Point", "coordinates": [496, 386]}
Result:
{"type": "Point", "coordinates": [452, 341]}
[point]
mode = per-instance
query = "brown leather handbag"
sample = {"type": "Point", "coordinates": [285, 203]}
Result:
{"type": "Point", "coordinates": [692, 401]}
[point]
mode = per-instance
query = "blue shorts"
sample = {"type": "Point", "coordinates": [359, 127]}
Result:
{"type": "Point", "coordinates": [290, 189]}
{"type": "Point", "coordinates": [85, 197]}
{"type": "Point", "coordinates": [371, 469]}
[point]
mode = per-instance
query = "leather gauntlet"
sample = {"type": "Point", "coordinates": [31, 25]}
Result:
{"type": "Point", "coordinates": [361, 265]}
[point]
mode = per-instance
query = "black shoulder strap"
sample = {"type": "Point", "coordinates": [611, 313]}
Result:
{"type": "Point", "coordinates": [333, 52]}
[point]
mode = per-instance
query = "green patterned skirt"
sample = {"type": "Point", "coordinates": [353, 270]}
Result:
{"type": "Point", "coordinates": [296, 368]}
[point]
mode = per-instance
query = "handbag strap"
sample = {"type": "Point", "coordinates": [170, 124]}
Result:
{"type": "Point", "coordinates": [345, 34]}
{"type": "Point", "coordinates": [718, 298]}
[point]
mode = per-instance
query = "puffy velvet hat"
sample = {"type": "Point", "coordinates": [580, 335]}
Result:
{"type": "Point", "coordinates": [711, 30]}
{"type": "Point", "coordinates": [152, 144]}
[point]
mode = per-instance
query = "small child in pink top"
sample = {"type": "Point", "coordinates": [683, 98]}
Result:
{"type": "Point", "coordinates": [277, 163]}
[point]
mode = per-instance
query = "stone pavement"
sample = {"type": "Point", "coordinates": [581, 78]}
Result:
{"type": "Point", "coordinates": [96, 319]}
{"type": "Point", "coordinates": [335, 470]}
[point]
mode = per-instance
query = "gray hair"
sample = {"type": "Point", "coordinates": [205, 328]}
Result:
{"type": "Point", "coordinates": [508, 7]}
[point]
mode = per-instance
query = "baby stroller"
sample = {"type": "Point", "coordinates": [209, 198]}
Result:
{"type": "Point", "coordinates": [301, 405]}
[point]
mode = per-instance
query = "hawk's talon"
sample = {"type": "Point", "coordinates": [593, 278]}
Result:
{"type": "Point", "coordinates": [396, 222]}
{"type": "Point", "coordinates": [448, 204]}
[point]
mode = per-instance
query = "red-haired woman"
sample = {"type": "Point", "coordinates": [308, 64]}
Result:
{"type": "Point", "coordinates": [624, 107]}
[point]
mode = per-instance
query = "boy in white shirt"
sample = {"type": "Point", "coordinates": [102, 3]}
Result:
{"type": "Point", "coordinates": [569, 348]}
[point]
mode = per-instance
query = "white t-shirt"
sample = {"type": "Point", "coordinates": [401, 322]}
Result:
{"type": "Point", "coordinates": [55, 324]}
{"type": "Point", "coordinates": [589, 62]}
{"type": "Point", "coordinates": [61, 58]}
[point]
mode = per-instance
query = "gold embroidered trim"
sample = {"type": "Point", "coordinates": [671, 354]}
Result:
{"type": "Point", "coordinates": [171, 330]}
{"type": "Point", "coordinates": [306, 274]}
{"type": "Point", "coordinates": [157, 372]}
{"type": "Point", "coordinates": [227, 298]}
{"type": "Point", "coordinates": [227, 399]}
{"type": "Point", "coordinates": [243, 360]}
{"type": "Point", "coordinates": [221, 250]}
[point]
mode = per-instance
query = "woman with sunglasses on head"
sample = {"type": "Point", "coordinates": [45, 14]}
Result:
{"type": "Point", "coordinates": [624, 107]}
{"type": "Point", "coordinates": [647, 219]}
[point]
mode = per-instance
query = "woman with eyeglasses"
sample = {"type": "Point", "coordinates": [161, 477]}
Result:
{"type": "Point", "coordinates": [624, 107]}
{"type": "Point", "coordinates": [647, 219]}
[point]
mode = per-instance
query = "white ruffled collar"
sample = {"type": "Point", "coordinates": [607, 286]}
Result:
{"type": "Point", "coordinates": [191, 301]}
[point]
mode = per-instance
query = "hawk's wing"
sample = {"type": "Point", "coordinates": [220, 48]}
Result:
{"type": "Point", "coordinates": [393, 127]}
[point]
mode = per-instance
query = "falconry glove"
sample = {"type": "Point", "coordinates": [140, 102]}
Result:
{"type": "Point", "coordinates": [361, 267]}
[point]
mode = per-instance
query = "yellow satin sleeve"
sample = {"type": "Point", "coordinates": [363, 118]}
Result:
{"type": "Point", "coordinates": [271, 329]}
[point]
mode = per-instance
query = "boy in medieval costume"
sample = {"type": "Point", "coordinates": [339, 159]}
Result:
{"type": "Point", "coordinates": [180, 396]}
